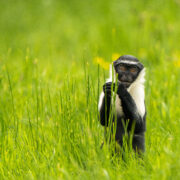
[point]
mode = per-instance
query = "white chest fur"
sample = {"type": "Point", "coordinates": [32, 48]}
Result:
{"type": "Point", "coordinates": [118, 107]}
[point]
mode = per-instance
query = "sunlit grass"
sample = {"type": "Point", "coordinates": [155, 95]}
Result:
{"type": "Point", "coordinates": [54, 59]}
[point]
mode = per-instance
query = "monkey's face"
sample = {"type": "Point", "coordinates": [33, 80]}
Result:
{"type": "Point", "coordinates": [127, 73]}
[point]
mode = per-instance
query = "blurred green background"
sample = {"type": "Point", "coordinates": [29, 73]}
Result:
{"type": "Point", "coordinates": [54, 58]}
{"type": "Point", "coordinates": [60, 30]}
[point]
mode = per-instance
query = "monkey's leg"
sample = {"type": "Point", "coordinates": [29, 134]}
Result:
{"type": "Point", "coordinates": [138, 143]}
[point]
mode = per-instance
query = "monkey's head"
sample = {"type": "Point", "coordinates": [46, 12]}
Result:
{"type": "Point", "coordinates": [127, 68]}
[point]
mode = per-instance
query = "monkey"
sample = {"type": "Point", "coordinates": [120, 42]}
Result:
{"type": "Point", "coordinates": [130, 110]}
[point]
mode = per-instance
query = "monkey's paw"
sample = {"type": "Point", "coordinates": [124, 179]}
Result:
{"type": "Point", "coordinates": [107, 88]}
{"type": "Point", "coordinates": [121, 91]}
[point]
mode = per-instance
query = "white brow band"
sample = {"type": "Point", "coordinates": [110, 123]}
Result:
{"type": "Point", "coordinates": [128, 62]}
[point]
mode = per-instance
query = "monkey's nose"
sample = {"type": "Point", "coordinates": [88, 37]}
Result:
{"type": "Point", "coordinates": [123, 78]}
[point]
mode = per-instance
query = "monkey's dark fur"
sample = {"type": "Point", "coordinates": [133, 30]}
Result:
{"type": "Point", "coordinates": [129, 101]}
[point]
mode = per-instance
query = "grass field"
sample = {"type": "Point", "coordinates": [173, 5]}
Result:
{"type": "Point", "coordinates": [54, 58]}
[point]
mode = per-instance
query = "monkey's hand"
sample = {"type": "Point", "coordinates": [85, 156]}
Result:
{"type": "Point", "coordinates": [107, 88]}
{"type": "Point", "coordinates": [121, 90]}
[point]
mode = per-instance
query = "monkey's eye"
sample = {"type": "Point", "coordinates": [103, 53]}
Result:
{"type": "Point", "coordinates": [122, 68]}
{"type": "Point", "coordinates": [133, 70]}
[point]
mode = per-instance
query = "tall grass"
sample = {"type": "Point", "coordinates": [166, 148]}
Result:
{"type": "Point", "coordinates": [50, 85]}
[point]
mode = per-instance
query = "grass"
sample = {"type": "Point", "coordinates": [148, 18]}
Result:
{"type": "Point", "coordinates": [51, 78]}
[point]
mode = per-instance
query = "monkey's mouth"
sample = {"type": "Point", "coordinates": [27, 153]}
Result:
{"type": "Point", "coordinates": [127, 84]}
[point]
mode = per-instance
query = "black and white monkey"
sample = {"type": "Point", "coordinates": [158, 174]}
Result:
{"type": "Point", "coordinates": [129, 74]}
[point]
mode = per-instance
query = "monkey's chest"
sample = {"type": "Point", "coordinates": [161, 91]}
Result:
{"type": "Point", "coordinates": [118, 107]}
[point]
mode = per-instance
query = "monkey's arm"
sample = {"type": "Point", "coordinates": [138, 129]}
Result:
{"type": "Point", "coordinates": [105, 104]}
{"type": "Point", "coordinates": [105, 110]}
{"type": "Point", "coordinates": [129, 105]}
